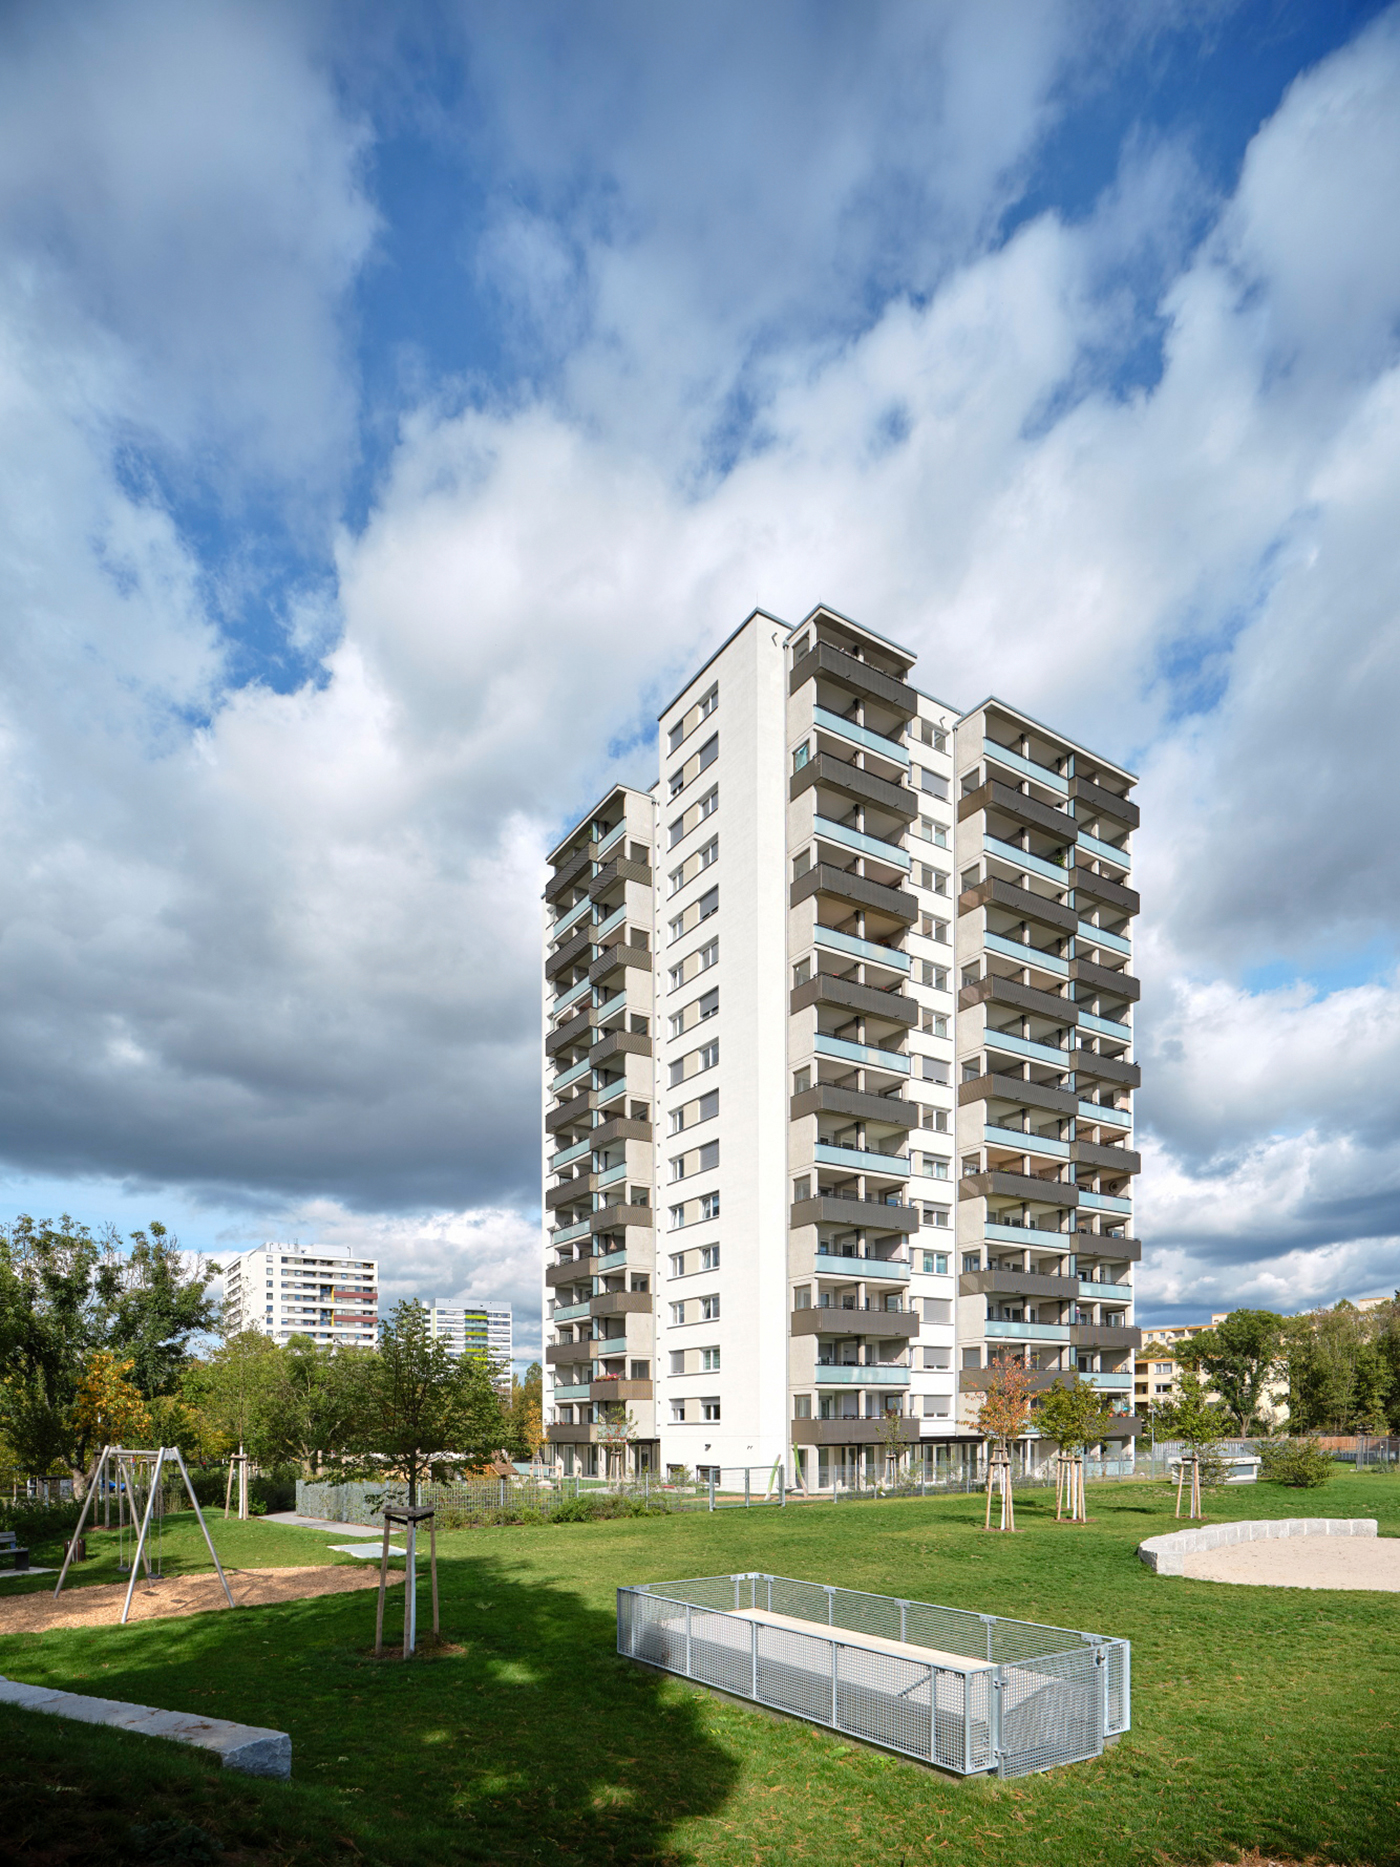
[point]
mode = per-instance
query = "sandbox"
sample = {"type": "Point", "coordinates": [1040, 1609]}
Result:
{"type": "Point", "coordinates": [200, 1593]}
{"type": "Point", "coordinates": [1282, 1552]}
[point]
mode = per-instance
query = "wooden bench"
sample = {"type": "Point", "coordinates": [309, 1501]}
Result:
{"type": "Point", "coordinates": [10, 1546]}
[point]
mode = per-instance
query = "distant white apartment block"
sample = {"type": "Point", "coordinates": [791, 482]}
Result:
{"type": "Point", "coordinates": [837, 1073]}
{"type": "Point", "coordinates": [320, 1291]}
{"type": "Point", "coordinates": [480, 1329]}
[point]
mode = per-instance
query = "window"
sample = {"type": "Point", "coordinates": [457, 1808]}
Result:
{"type": "Point", "coordinates": [677, 734]}
{"type": "Point", "coordinates": [709, 752]}
{"type": "Point", "coordinates": [677, 782]}
{"type": "Point", "coordinates": [933, 1070]}
{"type": "Point", "coordinates": [924, 780]}
{"type": "Point", "coordinates": [709, 1361]}
{"type": "Point", "coordinates": [802, 1406]}
{"type": "Point", "coordinates": [677, 929]}
{"type": "Point", "coordinates": [709, 1309]}
{"type": "Point", "coordinates": [801, 1189]}
{"type": "Point", "coordinates": [940, 1217]}
{"type": "Point", "coordinates": [936, 1407]}
{"type": "Point", "coordinates": [709, 1407]}
{"type": "Point", "coordinates": [678, 1413]}
{"type": "Point", "coordinates": [938, 1309]}
{"type": "Point", "coordinates": [972, 1261]}
{"type": "Point", "coordinates": [677, 1314]}
{"type": "Point", "coordinates": [709, 1005]}
{"type": "Point", "coordinates": [802, 1297]}
{"type": "Point", "coordinates": [677, 1363]}
{"type": "Point", "coordinates": [937, 1119]}
{"type": "Point", "coordinates": [936, 1263]}
{"type": "Point", "coordinates": [801, 756]}
{"type": "Point", "coordinates": [709, 903]}
{"type": "Point", "coordinates": [709, 1257]}
{"type": "Point", "coordinates": [709, 1209]}
{"type": "Point", "coordinates": [972, 1358]}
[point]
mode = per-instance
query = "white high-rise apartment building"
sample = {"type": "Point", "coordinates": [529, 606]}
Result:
{"type": "Point", "coordinates": [317, 1290]}
{"type": "Point", "coordinates": [481, 1329]}
{"type": "Point", "coordinates": [836, 1086]}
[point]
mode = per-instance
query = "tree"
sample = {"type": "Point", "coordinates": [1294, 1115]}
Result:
{"type": "Point", "coordinates": [1199, 1424]}
{"type": "Point", "coordinates": [1296, 1462]}
{"type": "Point", "coordinates": [525, 1434]}
{"type": "Point", "coordinates": [424, 1413]}
{"type": "Point", "coordinates": [1006, 1401]}
{"type": "Point", "coordinates": [314, 1400]}
{"type": "Point", "coordinates": [234, 1391]}
{"type": "Point", "coordinates": [1238, 1358]}
{"type": "Point", "coordinates": [617, 1435]}
{"type": "Point", "coordinates": [154, 1306]}
{"type": "Point", "coordinates": [1342, 1370]}
{"type": "Point", "coordinates": [107, 1409]}
{"type": "Point", "coordinates": [1073, 1413]}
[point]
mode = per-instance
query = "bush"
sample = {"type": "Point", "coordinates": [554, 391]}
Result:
{"type": "Point", "coordinates": [38, 1522]}
{"type": "Point", "coordinates": [590, 1509]}
{"type": "Point", "coordinates": [1297, 1462]}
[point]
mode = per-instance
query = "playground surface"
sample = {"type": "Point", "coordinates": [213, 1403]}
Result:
{"type": "Point", "coordinates": [1303, 1562]}
{"type": "Point", "coordinates": [179, 1595]}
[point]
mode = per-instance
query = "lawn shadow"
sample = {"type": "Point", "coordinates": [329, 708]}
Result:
{"type": "Point", "coordinates": [528, 1738]}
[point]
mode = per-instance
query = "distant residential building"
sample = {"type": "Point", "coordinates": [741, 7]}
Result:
{"type": "Point", "coordinates": [321, 1291]}
{"type": "Point", "coordinates": [480, 1329]}
{"type": "Point", "coordinates": [1157, 1370]}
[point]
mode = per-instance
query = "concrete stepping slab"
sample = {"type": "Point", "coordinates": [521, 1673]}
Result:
{"type": "Point", "coordinates": [250, 1748]}
{"type": "Point", "coordinates": [366, 1550]}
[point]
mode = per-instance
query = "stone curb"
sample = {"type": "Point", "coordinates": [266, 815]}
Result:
{"type": "Point", "coordinates": [250, 1748]}
{"type": "Point", "coordinates": [1167, 1554]}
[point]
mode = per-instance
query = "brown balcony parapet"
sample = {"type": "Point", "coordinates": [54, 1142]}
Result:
{"type": "Point", "coordinates": [617, 1389]}
{"type": "Point", "coordinates": [614, 958]}
{"type": "Point", "coordinates": [621, 1128]}
{"type": "Point", "coordinates": [621, 869]}
{"type": "Point", "coordinates": [619, 1043]}
{"type": "Point", "coordinates": [622, 1303]}
{"type": "Point", "coordinates": [1005, 800]}
{"type": "Point", "coordinates": [1103, 803]}
{"type": "Point", "coordinates": [826, 989]}
{"type": "Point", "coordinates": [839, 774]}
{"type": "Point", "coordinates": [827, 1099]}
{"type": "Point", "coordinates": [826, 879]}
{"type": "Point", "coordinates": [994, 990]}
{"type": "Point", "coordinates": [1029, 1186]}
{"type": "Point", "coordinates": [1104, 979]}
{"type": "Point", "coordinates": [1106, 1069]}
{"type": "Point", "coordinates": [1103, 1335]}
{"type": "Point", "coordinates": [994, 892]}
{"type": "Point", "coordinates": [1106, 1159]}
{"type": "Point", "coordinates": [997, 1088]}
{"type": "Point", "coordinates": [866, 1215]}
{"type": "Point", "coordinates": [568, 1033]}
{"type": "Point", "coordinates": [569, 1192]}
{"type": "Point", "coordinates": [855, 1432]}
{"type": "Point", "coordinates": [568, 872]}
{"type": "Point", "coordinates": [836, 1319]}
{"type": "Point", "coordinates": [615, 1218]}
{"type": "Point", "coordinates": [1020, 1283]}
{"type": "Point", "coordinates": [856, 676]}
{"type": "Point", "coordinates": [573, 949]}
{"type": "Point", "coordinates": [1100, 887]}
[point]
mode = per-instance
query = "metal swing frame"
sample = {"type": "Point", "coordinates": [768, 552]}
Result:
{"type": "Point", "coordinates": [115, 1459]}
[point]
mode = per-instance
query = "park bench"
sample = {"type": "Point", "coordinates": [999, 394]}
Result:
{"type": "Point", "coordinates": [10, 1546]}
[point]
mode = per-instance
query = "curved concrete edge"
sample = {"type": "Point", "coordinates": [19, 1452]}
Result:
{"type": "Point", "coordinates": [249, 1748]}
{"type": "Point", "coordinates": [1167, 1554]}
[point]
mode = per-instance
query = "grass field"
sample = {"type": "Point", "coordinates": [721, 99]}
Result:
{"type": "Point", "coordinates": [1261, 1718]}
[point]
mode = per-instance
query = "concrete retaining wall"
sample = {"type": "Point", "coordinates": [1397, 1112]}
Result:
{"type": "Point", "coordinates": [250, 1748]}
{"type": "Point", "coordinates": [1167, 1554]}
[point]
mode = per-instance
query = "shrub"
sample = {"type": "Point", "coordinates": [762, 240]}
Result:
{"type": "Point", "coordinates": [1298, 1462]}
{"type": "Point", "coordinates": [606, 1504]}
{"type": "Point", "coordinates": [38, 1522]}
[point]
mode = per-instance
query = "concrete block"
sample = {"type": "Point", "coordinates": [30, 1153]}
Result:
{"type": "Point", "coordinates": [250, 1748]}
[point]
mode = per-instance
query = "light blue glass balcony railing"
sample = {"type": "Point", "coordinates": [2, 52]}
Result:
{"type": "Point", "coordinates": [575, 1073]}
{"type": "Point", "coordinates": [614, 919]}
{"type": "Point", "coordinates": [571, 997]}
{"type": "Point", "coordinates": [1034, 1237]}
{"type": "Point", "coordinates": [1023, 859]}
{"type": "Point", "coordinates": [860, 1160]}
{"type": "Point", "coordinates": [870, 1270]}
{"type": "Point", "coordinates": [613, 1093]}
{"type": "Point", "coordinates": [569, 1155]}
{"type": "Point", "coordinates": [862, 1053]}
{"type": "Point", "coordinates": [1105, 1202]}
{"type": "Point", "coordinates": [570, 1313]}
{"type": "Point", "coordinates": [859, 735]}
{"type": "Point", "coordinates": [1100, 936]}
{"type": "Point", "coordinates": [866, 845]}
{"type": "Point", "coordinates": [614, 1261]}
{"type": "Point", "coordinates": [1106, 1027]}
{"type": "Point", "coordinates": [1025, 1047]}
{"type": "Point", "coordinates": [1104, 851]}
{"type": "Point", "coordinates": [1111, 1383]}
{"type": "Point", "coordinates": [1094, 1111]}
{"type": "Point", "coordinates": [843, 1374]}
{"type": "Point", "coordinates": [1026, 766]}
{"type": "Point", "coordinates": [613, 1174]}
{"type": "Point", "coordinates": [1029, 1331]}
{"type": "Point", "coordinates": [1105, 1293]}
{"type": "Point", "coordinates": [571, 1393]}
{"type": "Point", "coordinates": [569, 1234]}
{"type": "Point", "coordinates": [610, 841]}
{"type": "Point", "coordinates": [616, 1001]}
{"type": "Point", "coordinates": [575, 914]}
{"type": "Point", "coordinates": [1028, 1143]}
{"type": "Point", "coordinates": [862, 949]}
{"type": "Point", "coordinates": [1026, 955]}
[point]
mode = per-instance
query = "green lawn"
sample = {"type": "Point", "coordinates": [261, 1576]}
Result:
{"type": "Point", "coordinates": [1260, 1717]}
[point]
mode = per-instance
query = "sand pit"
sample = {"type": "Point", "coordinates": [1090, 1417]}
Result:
{"type": "Point", "coordinates": [179, 1595]}
{"type": "Point", "coordinates": [1302, 1562]}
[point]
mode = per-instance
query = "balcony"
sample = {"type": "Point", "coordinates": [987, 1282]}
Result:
{"type": "Point", "coordinates": [1106, 1027]}
{"type": "Point", "coordinates": [619, 1044]}
{"type": "Point", "coordinates": [824, 878]}
{"type": "Point", "coordinates": [1089, 1244]}
{"type": "Point", "coordinates": [1005, 801]}
{"type": "Point", "coordinates": [615, 957]}
{"type": "Point", "coordinates": [565, 956]}
{"type": "Point", "coordinates": [1105, 1202]}
{"type": "Point", "coordinates": [1100, 936]}
{"type": "Point", "coordinates": [571, 1193]}
{"type": "Point", "coordinates": [845, 995]}
{"type": "Point", "coordinates": [579, 1151]}
{"type": "Point", "coordinates": [1101, 888]}
{"type": "Point", "coordinates": [1052, 780]}
{"type": "Point", "coordinates": [889, 853]}
{"type": "Point", "coordinates": [568, 1234]}
{"type": "Point", "coordinates": [864, 1215]}
{"type": "Point", "coordinates": [994, 990]}
{"type": "Point", "coordinates": [861, 1160]}
{"type": "Point", "coordinates": [848, 1374]}
{"type": "Point", "coordinates": [858, 677]}
{"type": "Point", "coordinates": [1025, 1186]}
{"type": "Point", "coordinates": [1099, 802]}
{"type": "Point", "coordinates": [862, 1268]}
{"type": "Point", "coordinates": [569, 872]}
{"type": "Point", "coordinates": [826, 1098]}
{"type": "Point", "coordinates": [578, 1030]}
{"type": "Point", "coordinates": [616, 1217]}
{"type": "Point", "coordinates": [1101, 1112]}
{"type": "Point", "coordinates": [1107, 1069]}
{"type": "Point", "coordinates": [570, 1354]}
{"type": "Point", "coordinates": [621, 1303]}
{"type": "Point", "coordinates": [828, 722]}
{"type": "Point", "coordinates": [1025, 954]}
{"type": "Point", "coordinates": [1110, 1383]}
{"type": "Point", "coordinates": [567, 1078]}
{"type": "Point", "coordinates": [1027, 1331]}
{"type": "Point", "coordinates": [1027, 1047]}
{"type": "Point", "coordinates": [1023, 860]}
{"type": "Point", "coordinates": [1023, 902]}
{"type": "Point", "coordinates": [571, 1393]}
{"type": "Point", "coordinates": [869, 1054]}
{"type": "Point", "coordinates": [1029, 1236]}
{"type": "Point", "coordinates": [572, 1112]}
{"type": "Point", "coordinates": [1108, 1159]}
{"type": "Point", "coordinates": [1106, 852]}
{"type": "Point", "coordinates": [614, 1390]}
{"type": "Point", "coordinates": [1105, 1335]}
{"type": "Point", "coordinates": [1027, 1143]}
{"type": "Point", "coordinates": [854, 1432]}
{"type": "Point", "coordinates": [575, 914]}
{"type": "Point", "coordinates": [620, 1128]}
{"type": "Point", "coordinates": [1017, 1284]}
{"type": "Point", "coordinates": [1104, 979]}
{"type": "Point", "coordinates": [997, 1088]}
{"type": "Point", "coordinates": [861, 949]}
{"type": "Point", "coordinates": [846, 1319]}
{"type": "Point", "coordinates": [863, 787]}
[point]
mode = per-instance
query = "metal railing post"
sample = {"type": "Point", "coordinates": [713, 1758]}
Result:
{"type": "Point", "coordinates": [834, 1725]}
{"type": "Point", "coordinates": [998, 1680]}
{"type": "Point", "coordinates": [688, 1672]}
{"type": "Point", "coordinates": [746, 1488]}
{"type": "Point", "coordinates": [712, 1487]}
{"type": "Point", "coordinates": [753, 1691]}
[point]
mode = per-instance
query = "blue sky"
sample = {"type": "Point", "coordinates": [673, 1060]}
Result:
{"type": "Point", "coordinates": [385, 393]}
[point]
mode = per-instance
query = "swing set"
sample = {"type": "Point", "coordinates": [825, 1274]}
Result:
{"type": "Point", "coordinates": [136, 1475]}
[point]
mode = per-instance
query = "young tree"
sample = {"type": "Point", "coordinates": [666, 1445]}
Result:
{"type": "Point", "coordinates": [1073, 1413]}
{"type": "Point", "coordinates": [1199, 1425]}
{"type": "Point", "coordinates": [1006, 1402]}
{"type": "Point", "coordinates": [525, 1434]}
{"type": "Point", "coordinates": [108, 1410]}
{"type": "Point", "coordinates": [50, 1322]}
{"type": "Point", "coordinates": [315, 1397]}
{"type": "Point", "coordinates": [425, 1414]}
{"type": "Point", "coordinates": [234, 1392]}
{"type": "Point", "coordinates": [1238, 1359]}
{"type": "Point", "coordinates": [617, 1434]}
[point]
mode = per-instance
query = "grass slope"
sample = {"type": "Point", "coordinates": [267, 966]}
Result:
{"type": "Point", "coordinates": [1261, 1717]}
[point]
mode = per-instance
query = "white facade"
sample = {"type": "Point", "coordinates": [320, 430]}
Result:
{"type": "Point", "coordinates": [478, 1328]}
{"type": "Point", "coordinates": [764, 983]}
{"type": "Point", "coordinates": [314, 1290]}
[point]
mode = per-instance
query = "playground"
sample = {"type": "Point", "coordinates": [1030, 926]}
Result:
{"type": "Point", "coordinates": [524, 1736]}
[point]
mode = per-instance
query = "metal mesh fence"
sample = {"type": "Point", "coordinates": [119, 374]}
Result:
{"type": "Point", "coordinates": [1014, 1696]}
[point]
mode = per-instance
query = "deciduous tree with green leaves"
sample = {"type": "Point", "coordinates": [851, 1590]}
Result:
{"type": "Point", "coordinates": [424, 1413]}
{"type": "Point", "coordinates": [1240, 1359]}
{"type": "Point", "coordinates": [1072, 1413]}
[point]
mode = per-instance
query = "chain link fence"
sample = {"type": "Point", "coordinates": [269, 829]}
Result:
{"type": "Point", "coordinates": [966, 1693]}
